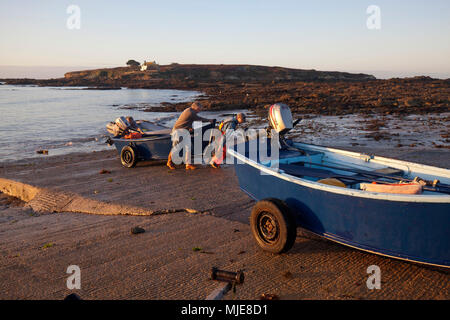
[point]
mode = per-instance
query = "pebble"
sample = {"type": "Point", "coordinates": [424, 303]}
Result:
{"type": "Point", "coordinates": [137, 230]}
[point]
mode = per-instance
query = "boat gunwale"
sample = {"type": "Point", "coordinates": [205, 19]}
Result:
{"type": "Point", "coordinates": [144, 139]}
{"type": "Point", "coordinates": [442, 172]}
{"type": "Point", "coordinates": [428, 198]}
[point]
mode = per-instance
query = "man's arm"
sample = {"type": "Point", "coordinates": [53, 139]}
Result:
{"type": "Point", "coordinates": [196, 117]}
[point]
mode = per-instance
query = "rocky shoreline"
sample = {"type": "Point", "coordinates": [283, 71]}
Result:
{"type": "Point", "coordinates": [228, 87]}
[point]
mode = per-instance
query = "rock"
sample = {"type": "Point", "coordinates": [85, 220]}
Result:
{"type": "Point", "coordinates": [385, 102]}
{"type": "Point", "coordinates": [229, 87]}
{"type": "Point", "coordinates": [412, 102]}
{"type": "Point", "coordinates": [137, 230]}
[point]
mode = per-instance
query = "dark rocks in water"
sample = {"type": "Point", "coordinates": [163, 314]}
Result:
{"type": "Point", "coordinates": [21, 81]}
{"type": "Point", "coordinates": [190, 76]}
{"type": "Point", "coordinates": [231, 87]}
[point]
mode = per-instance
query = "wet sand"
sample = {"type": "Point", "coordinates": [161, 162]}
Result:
{"type": "Point", "coordinates": [200, 220]}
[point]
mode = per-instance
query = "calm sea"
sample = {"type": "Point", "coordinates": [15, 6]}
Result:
{"type": "Point", "coordinates": [66, 120]}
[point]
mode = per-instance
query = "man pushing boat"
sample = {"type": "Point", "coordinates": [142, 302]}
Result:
{"type": "Point", "coordinates": [185, 121]}
{"type": "Point", "coordinates": [229, 124]}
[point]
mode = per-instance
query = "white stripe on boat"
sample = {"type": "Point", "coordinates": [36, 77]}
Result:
{"type": "Point", "coordinates": [428, 198]}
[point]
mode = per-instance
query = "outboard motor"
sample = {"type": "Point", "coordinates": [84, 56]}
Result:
{"type": "Point", "coordinates": [113, 129]}
{"type": "Point", "coordinates": [118, 127]}
{"type": "Point", "coordinates": [122, 123]}
{"type": "Point", "coordinates": [280, 120]}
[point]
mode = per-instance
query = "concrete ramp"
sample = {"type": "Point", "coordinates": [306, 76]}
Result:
{"type": "Point", "coordinates": [97, 183]}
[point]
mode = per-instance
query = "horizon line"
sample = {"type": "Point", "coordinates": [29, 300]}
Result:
{"type": "Point", "coordinates": [393, 74]}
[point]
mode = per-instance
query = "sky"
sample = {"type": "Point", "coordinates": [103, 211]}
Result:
{"type": "Point", "coordinates": [413, 38]}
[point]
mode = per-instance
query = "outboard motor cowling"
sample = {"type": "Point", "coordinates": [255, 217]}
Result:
{"type": "Point", "coordinates": [122, 123]}
{"type": "Point", "coordinates": [113, 129]}
{"type": "Point", "coordinates": [280, 118]}
{"type": "Point", "coordinates": [118, 127]}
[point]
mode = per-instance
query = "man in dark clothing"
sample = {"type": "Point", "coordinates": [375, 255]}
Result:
{"type": "Point", "coordinates": [187, 117]}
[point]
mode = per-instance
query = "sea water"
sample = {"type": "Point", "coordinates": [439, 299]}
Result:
{"type": "Point", "coordinates": [66, 120]}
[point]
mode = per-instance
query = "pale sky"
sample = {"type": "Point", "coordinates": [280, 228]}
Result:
{"type": "Point", "coordinates": [322, 35]}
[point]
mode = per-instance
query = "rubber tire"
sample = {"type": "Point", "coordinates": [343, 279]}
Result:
{"type": "Point", "coordinates": [287, 228]}
{"type": "Point", "coordinates": [126, 152]}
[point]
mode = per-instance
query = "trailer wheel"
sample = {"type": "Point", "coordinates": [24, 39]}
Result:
{"type": "Point", "coordinates": [273, 225]}
{"type": "Point", "coordinates": [128, 157]}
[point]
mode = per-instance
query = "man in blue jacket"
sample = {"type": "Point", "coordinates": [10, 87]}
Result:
{"type": "Point", "coordinates": [227, 124]}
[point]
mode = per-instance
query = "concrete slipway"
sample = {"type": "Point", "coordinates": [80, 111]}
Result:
{"type": "Point", "coordinates": [71, 214]}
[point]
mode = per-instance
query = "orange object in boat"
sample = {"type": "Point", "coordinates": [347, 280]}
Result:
{"type": "Point", "coordinates": [402, 188]}
{"type": "Point", "coordinates": [133, 135]}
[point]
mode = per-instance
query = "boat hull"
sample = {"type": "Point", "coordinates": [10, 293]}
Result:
{"type": "Point", "coordinates": [410, 230]}
{"type": "Point", "coordinates": [157, 146]}
{"type": "Point", "coordinates": [148, 148]}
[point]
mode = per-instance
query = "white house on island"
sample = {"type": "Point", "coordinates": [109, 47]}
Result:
{"type": "Point", "coordinates": [149, 66]}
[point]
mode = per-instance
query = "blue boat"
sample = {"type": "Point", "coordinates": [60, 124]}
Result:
{"type": "Point", "coordinates": [297, 192]}
{"type": "Point", "coordinates": [155, 143]}
{"type": "Point", "coordinates": [389, 207]}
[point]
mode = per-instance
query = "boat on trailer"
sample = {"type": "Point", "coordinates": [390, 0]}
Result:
{"type": "Point", "coordinates": [154, 143]}
{"type": "Point", "coordinates": [321, 190]}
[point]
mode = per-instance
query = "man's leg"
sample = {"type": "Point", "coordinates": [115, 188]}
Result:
{"type": "Point", "coordinates": [170, 164]}
{"type": "Point", "coordinates": [219, 155]}
{"type": "Point", "coordinates": [175, 140]}
{"type": "Point", "coordinates": [187, 158]}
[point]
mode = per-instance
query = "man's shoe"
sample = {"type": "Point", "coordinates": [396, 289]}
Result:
{"type": "Point", "coordinates": [214, 165]}
{"type": "Point", "coordinates": [190, 167]}
{"type": "Point", "coordinates": [170, 165]}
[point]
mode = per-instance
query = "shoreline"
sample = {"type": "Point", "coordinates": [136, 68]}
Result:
{"type": "Point", "coordinates": [438, 157]}
{"type": "Point", "coordinates": [375, 97]}
{"type": "Point", "coordinates": [424, 141]}
{"type": "Point", "coordinates": [227, 87]}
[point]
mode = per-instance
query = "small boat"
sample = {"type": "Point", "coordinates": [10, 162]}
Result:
{"type": "Point", "coordinates": [154, 143]}
{"type": "Point", "coordinates": [324, 190]}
